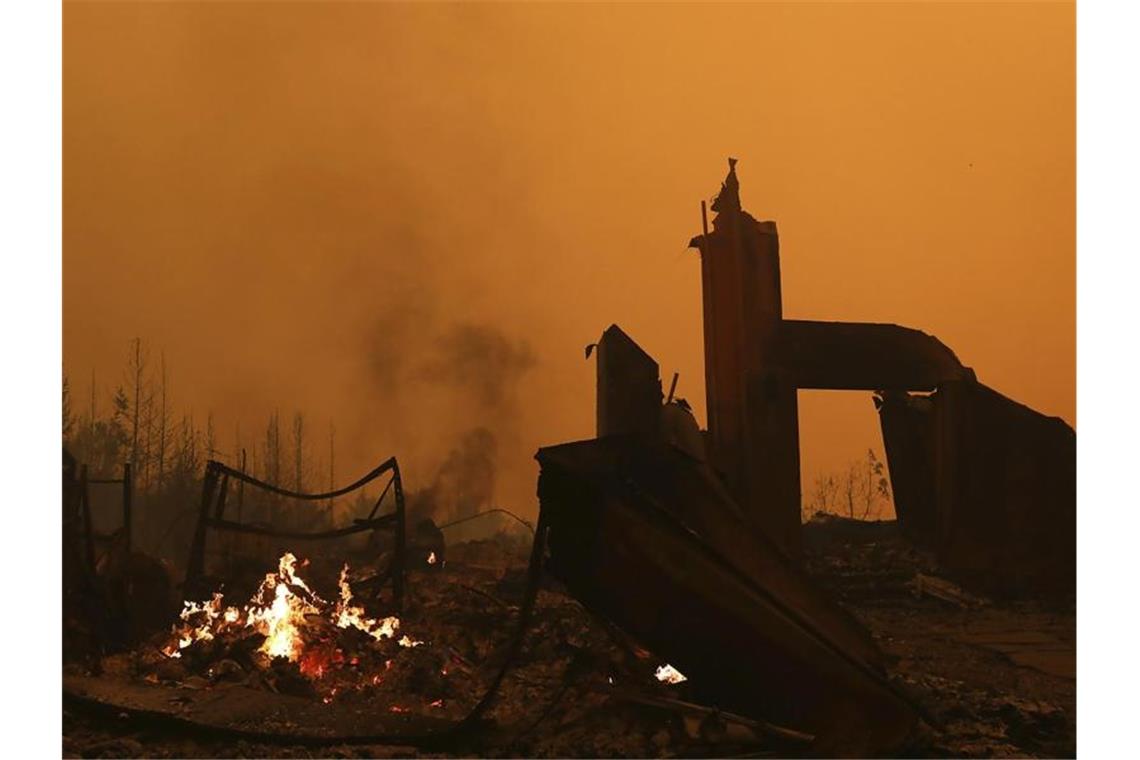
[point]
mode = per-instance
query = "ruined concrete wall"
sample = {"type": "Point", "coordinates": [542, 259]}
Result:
{"type": "Point", "coordinates": [1006, 502]}
{"type": "Point", "coordinates": [752, 404]}
{"type": "Point", "coordinates": [724, 360]}
{"type": "Point", "coordinates": [865, 356]}
{"type": "Point", "coordinates": [629, 387]}
{"type": "Point", "coordinates": [907, 423]}
{"type": "Point", "coordinates": [988, 483]}
{"type": "Point", "coordinates": [772, 442]}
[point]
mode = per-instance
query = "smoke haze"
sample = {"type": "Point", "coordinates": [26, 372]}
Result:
{"type": "Point", "coordinates": [408, 220]}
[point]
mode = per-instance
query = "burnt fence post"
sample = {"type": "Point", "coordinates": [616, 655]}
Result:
{"type": "Point", "coordinates": [196, 563]}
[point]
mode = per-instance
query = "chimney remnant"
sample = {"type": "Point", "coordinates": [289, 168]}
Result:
{"type": "Point", "coordinates": [751, 401]}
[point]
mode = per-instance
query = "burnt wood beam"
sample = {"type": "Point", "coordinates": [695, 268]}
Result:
{"type": "Point", "coordinates": [865, 356]}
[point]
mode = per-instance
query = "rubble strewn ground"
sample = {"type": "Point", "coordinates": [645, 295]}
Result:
{"type": "Point", "coordinates": [995, 677]}
{"type": "Point", "coordinates": [998, 677]}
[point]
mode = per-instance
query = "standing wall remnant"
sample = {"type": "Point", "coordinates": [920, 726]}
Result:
{"type": "Point", "coordinates": [629, 387]}
{"type": "Point", "coordinates": [751, 400]}
{"type": "Point", "coordinates": [988, 482]}
{"type": "Point", "coordinates": [907, 422]}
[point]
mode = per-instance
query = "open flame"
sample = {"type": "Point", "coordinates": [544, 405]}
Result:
{"type": "Point", "coordinates": [277, 610]}
{"type": "Point", "coordinates": [669, 674]}
{"type": "Point", "coordinates": [279, 607]}
{"type": "Point", "coordinates": [349, 615]}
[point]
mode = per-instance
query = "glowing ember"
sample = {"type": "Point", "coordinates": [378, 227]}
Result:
{"type": "Point", "coordinates": [409, 642]}
{"type": "Point", "coordinates": [669, 674]}
{"type": "Point", "coordinates": [431, 558]}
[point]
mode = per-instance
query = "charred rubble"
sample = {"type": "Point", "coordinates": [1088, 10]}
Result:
{"type": "Point", "coordinates": [668, 601]}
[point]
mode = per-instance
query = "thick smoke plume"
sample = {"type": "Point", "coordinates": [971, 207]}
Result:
{"type": "Point", "coordinates": [472, 373]}
{"type": "Point", "coordinates": [480, 362]}
{"type": "Point", "coordinates": [464, 483]}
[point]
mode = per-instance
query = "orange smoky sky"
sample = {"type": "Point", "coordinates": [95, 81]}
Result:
{"type": "Point", "coordinates": [408, 220]}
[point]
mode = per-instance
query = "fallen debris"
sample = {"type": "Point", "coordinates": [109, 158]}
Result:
{"type": "Point", "coordinates": [939, 588]}
{"type": "Point", "coordinates": [984, 704]}
{"type": "Point", "coordinates": [1029, 649]}
{"type": "Point", "coordinates": [973, 669]}
{"type": "Point", "coordinates": [641, 535]}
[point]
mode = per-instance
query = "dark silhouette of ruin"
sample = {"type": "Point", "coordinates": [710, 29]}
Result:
{"type": "Point", "coordinates": [987, 483]}
{"type": "Point", "coordinates": [690, 540]}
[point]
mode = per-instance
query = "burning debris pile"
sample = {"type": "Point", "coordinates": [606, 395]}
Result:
{"type": "Point", "coordinates": [287, 628]}
{"type": "Point", "coordinates": [312, 661]}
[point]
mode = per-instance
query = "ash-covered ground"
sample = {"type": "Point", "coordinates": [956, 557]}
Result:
{"type": "Point", "coordinates": [997, 678]}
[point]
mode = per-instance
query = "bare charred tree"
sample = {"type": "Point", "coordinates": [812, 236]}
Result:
{"type": "Point", "coordinates": [875, 488]}
{"type": "Point", "coordinates": [237, 442]}
{"type": "Point", "coordinates": [91, 411]}
{"type": "Point", "coordinates": [239, 460]}
{"type": "Point", "coordinates": [859, 492]}
{"type": "Point", "coordinates": [273, 450]}
{"type": "Point", "coordinates": [850, 483]}
{"type": "Point", "coordinates": [824, 495]}
{"type": "Point", "coordinates": [102, 444]}
{"type": "Point", "coordinates": [68, 421]}
{"type": "Point", "coordinates": [188, 458]}
{"type": "Point", "coordinates": [332, 465]}
{"type": "Point", "coordinates": [298, 451]}
{"type": "Point", "coordinates": [112, 440]}
{"type": "Point", "coordinates": [210, 439]}
{"type": "Point", "coordinates": [255, 465]}
{"type": "Point", "coordinates": [164, 423]}
{"type": "Point", "coordinates": [241, 485]}
{"type": "Point", "coordinates": [273, 461]}
{"type": "Point", "coordinates": [136, 369]}
{"type": "Point", "coordinates": [856, 495]}
{"type": "Point", "coordinates": [149, 436]}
